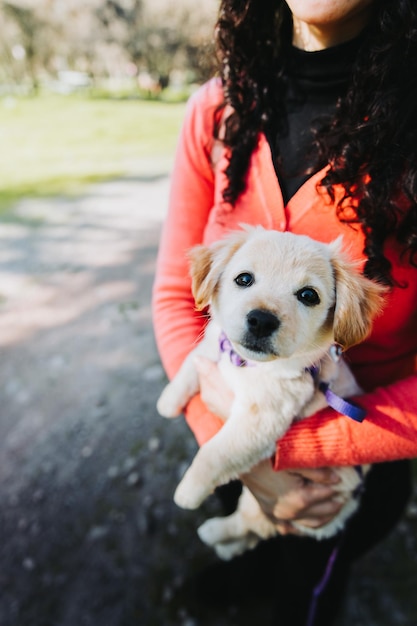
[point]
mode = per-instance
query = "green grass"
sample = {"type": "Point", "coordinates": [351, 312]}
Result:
{"type": "Point", "coordinates": [56, 145]}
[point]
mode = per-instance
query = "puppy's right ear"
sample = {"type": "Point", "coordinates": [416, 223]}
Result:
{"type": "Point", "coordinates": [207, 264]}
{"type": "Point", "coordinates": [202, 280]}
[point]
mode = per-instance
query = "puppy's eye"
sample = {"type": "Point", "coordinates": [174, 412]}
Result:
{"type": "Point", "coordinates": [308, 296]}
{"type": "Point", "coordinates": [245, 279]}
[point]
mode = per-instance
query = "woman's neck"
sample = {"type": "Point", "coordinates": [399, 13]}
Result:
{"type": "Point", "coordinates": [312, 37]}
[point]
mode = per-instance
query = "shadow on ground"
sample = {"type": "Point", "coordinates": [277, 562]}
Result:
{"type": "Point", "coordinates": [89, 533]}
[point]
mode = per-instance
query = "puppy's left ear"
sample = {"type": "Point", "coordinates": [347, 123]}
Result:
{"type": "Point", "coordinates": [358, 302]}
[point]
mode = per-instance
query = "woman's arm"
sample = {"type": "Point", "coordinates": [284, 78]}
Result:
{"type": "Point", "coordinates": [177, 327]}
{"type": "Point", "coordinates": [388, 433]}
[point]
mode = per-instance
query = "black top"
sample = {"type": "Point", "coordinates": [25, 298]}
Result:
{"type": "Point", "coordinates": [316, 80]}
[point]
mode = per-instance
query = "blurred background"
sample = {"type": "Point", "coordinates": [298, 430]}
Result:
{"type": "Point", "coordinates": [97, 76]}
{"type": "Point", "coordinates": [92, 95]}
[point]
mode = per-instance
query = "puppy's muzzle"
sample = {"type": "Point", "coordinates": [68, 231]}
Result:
{"type": "Point", "coordinates": [260, 326]}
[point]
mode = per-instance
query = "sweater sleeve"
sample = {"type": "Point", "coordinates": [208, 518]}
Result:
{"type": "Point", "coordinates": [176, 324]}
{"type": "Point", "coordinates": [388, 433]}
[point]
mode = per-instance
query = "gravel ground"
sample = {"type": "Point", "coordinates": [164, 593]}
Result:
{"type": "Point", "coordinates": [89, 533]}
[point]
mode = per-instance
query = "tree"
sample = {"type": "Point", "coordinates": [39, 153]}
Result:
{"type": "Point", "coordinates": [158, 39]}
{"type": "Point", "coordinates": [104, 38]}
{"type": "Point", "coordinates": [32, 39]}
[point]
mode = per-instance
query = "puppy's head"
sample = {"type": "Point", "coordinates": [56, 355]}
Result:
{"type": "Point", "coordinates": [278, 295]}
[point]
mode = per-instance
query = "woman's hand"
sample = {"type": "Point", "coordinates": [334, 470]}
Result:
{"type": "Point", "coordinates": [305, 495]}
{"type": "Point", "coordinates": [302, 495]}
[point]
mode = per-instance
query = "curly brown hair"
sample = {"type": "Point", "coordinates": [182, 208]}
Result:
{"type": "Point", "coordinates": [371, 141]}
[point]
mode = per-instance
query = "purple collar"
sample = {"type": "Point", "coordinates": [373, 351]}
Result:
{"type": "Point", "coordinates": [226, 347]}
{"type": "Point", "coordinates": [345, 407]}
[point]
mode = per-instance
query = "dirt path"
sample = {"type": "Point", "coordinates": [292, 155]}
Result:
{"type": "Point", "coordinates": [89, 535]}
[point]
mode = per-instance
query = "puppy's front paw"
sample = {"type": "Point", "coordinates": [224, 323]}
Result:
{"type": "Point", "coordinates": [213, 531]}
{"type": "Point", "coordinates": [169, 404]}
{"type": "Point", "coordinates": [216, 533]}
{"type": "Point", "coordinates": [188, 495]}
{"type": "Point", "coordinates": [231, 549]}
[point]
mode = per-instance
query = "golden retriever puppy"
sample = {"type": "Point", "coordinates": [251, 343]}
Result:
{"type": "Point", "coordinates": [279, 304]}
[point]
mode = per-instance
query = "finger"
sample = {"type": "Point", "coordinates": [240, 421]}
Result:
{"type": "Point", "coordinates": [321, 475]}
{"type": "Point", "coordinates": [313, 494]}
{"type": "Point", "coordinates": [315, 522]}
{"type": "Point", "coordinates": [296, 511]}
{"type": "Point", "coordinates": [321, 509]}
{"type": "Point", "coordinates": [286, 528]}
{"type": "Point", "coordinates": [318, 491]}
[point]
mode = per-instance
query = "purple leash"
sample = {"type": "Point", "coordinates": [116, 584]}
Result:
{"type": "Point", "coordinates": [346, 407]}
{"type": "Point", "coordinates": [341, 405]}
{"type": "Point", "coordinates": [322, 584]}
{"type": "Point", "coordinates": [320, 587]}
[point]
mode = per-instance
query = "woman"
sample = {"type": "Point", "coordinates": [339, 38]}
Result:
{"type": "Point", "coordinates": [311, 128]}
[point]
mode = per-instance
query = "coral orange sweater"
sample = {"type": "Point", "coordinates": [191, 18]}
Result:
{"type": "Point", "coordinates": [385, 364]}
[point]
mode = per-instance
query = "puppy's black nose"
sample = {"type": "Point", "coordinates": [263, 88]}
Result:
{"type": "Point", "coordinates": [261, 323]}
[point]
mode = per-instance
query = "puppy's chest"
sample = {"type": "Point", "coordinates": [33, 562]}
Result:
{"type": "Point", "coordinates": [269, 383]}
